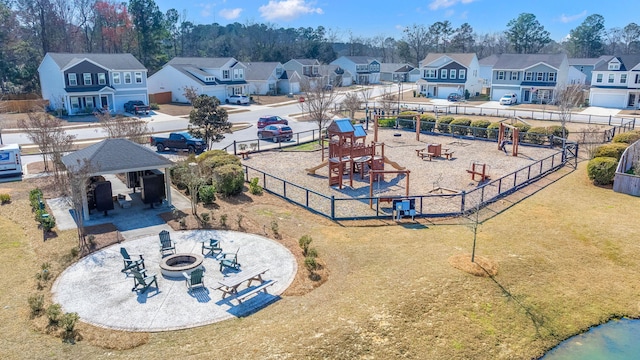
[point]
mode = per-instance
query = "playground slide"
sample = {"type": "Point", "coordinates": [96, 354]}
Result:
{"type": "Point", "coordinates": [393, 164]}
{"type": "Point", "coordinates": [313, 169]}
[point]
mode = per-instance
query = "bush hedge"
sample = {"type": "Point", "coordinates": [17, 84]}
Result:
{"type": "Point", "coordinates": [538, 135]}
{"type": "Point", "coordinates": [460, 126]}
{"type": "Point", "coordinates": [492, 130]}
{"type": "Point", "coordinates": [602, 170]}
{"type": "Point", "coordinates": [229, 179]}
{"type": "Point", "coordinates": [480, 127]}
{"type": "Point", "coordinates": [613, 150]}
{"type": "Point", "coordinates": [443, 124]}
{"type": "Point", "coordinates": [628, 137]}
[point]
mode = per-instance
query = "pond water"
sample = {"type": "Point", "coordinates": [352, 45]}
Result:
{"type": "Point", "coordinates": [617, 339]}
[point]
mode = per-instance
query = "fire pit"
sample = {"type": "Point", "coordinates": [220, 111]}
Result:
{"type": "Point", "coordinates": [175, 265]}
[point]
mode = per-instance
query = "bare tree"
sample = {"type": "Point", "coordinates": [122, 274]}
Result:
{"type": "Point", "coordinates": [590, 139]}
{"type": "Point", "coordinates": [61, 143]}
{"type": "Point", "coordinates": [122, 127]}
{"type": "Point", "coordinates": [189, 174]}
{"type": "Point", "coordinates": [567, 97]}
{"type": "Point", "coordinates": [44, 130]}
{"type": "Point", "coordinates": [319, 101]}
{"type": "Point", "coordinates": [387, 99]}
{"type": "Point", "coordinates": [352, 102]}
{"type": "Point", "coordinates": [190, 92]}
{"type": "Point", "coordinates": [78, 175]}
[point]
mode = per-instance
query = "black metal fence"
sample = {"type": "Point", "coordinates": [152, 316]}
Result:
{"type": "Point", "coordinates": [255, 145]}
{"type": "Point", "coordinates": [426, 205]}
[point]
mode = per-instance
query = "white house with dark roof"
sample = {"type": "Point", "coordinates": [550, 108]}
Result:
{"type": "Point", "coordinates": [335, 75]}
{"type": "Point", "coordinates": [364, 69]}
{"type": "Point", "coordinates": [443, 74]}
{"type": "Point", "coordinates": [532, 77]}
{"type": "Point", "coordinates": [219, 77]}
{"type": "Point", "coordinates": [81, 83]}
{"type": "Point", "coordinates": [586, 65]}
{"type": "Point", "coordinates": [616, 83]}
{"type": "Point", "coordinates": [264, 78]}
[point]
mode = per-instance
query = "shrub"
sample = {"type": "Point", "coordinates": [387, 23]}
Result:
{"type": "Point", "coordinates": [601, 170]}
{"type": "Point", "coordinates": [223, 220]}
{"type": "Point", "coordinates": [229, 179]}
{"type": "Point", "coordinates": [628, 137]}
{"type": "Point", "coordinates": [36, 304]}
{"type": "Point", "coordinates": [217, 158]}
{"type": "Point", "coordinates": [53, 313]}
{"type": "Point", "coordinates": [492, 130]}
{"type": "Point", "coordinates": [538, 135]}
{"type": "Point", "coordinates": [68, 323]}
{"type": "Point", "coordinates": [254, 187]}
{"type": "Point", "coordinates": [613, 150]}
{"type": "Point", "coordinates": [5, 198]}
{"type": "Point", "coordinates": [460, 126]}
{"type": "Point", "coordinates": [312, 252]}
{"type": "Point", "coordinates": [205, 217]}
{"type": "Point", "coordinates": [556, 130]}
{"type": "Point", "coordinates": [177, 180]}
{"type": "Point", "coordinates": [207, 194]}
{"type": "Point", "coordinates": [304, 243]}
{"type": "Point", "coordinates": [48, 223]}
{"type": "Point", "coordinates": [479, 128]}
{"type": "Point", "coordinates": [275, 228]}
{"type": "Point", "coordinates": [154, 106]}
{"type": "Point", "coordinates": [387, 123]}
{"type": "Point", "coordinates": [35, 198]}
{"type": "Point", "coordinates": [310, 263]}
{"type": "Point", "coordinates": [443, 124]}
{"type": "Point", "coordinates": [523, 128]}
{"type": "Point", "coordinates": [427, 122]}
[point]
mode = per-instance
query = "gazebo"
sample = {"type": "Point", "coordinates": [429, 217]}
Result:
{"type": "Point", "coordinates": [114, 156]}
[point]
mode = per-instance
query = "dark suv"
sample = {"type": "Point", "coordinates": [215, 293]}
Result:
{"type": "Point", "coordinates": [454, 97]}
{"type": "Point", "coordinates": [271, 120]}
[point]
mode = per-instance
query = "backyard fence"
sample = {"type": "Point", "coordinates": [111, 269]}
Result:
{"type": "Point", "coordinates": [426, 205]}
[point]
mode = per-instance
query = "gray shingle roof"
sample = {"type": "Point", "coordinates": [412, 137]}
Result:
{"type": "Point", "coordinates": [462, 58]}
{"type": "Point", "coordinates": [627, 62]}
{"type": "Point", "coordinates": [361, 59]}
{"type": "Point", "coordinates": [260, 70]}
{"type": "Point", "coordinates": [523, 61]}
{"type": "Point", "coordinates": [110, 61]}
{"type": "Point", "coordinates": [307, 61]}
{"type": "Point", "coordinates": [489, 60]}
{"type": "Point", "coordinates": [395, 67]}
{"type": "Point", "coordinates": [200, 62]}
{"type": "Point", "coordinates": [111, 156]}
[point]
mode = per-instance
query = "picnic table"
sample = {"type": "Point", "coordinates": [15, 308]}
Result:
{"type": "Point", "coordinates": [230, 284]}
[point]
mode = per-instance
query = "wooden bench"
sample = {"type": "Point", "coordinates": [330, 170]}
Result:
{"type": "Point", "coordinates": [255, 290]}
{"type": "Point", "coordinates": [244, 154]}
{"type": "Point", "coordinates": [427, 155]}
{"type": "Point", "coordinates": [229, 285]}
{"type": "Point", "coordinates": [447, 154]}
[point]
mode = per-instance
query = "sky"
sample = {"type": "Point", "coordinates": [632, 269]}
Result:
{"type": "Point", "coordinates": [388, 18]}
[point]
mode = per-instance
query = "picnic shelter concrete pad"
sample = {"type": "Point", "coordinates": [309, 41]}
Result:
{"type": "Point", "coordinates": [102, 295]}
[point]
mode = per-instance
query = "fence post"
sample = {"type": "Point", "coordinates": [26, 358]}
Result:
{"type": "Point", "coordinates": [333, 207]}
{"type": "Point", "coordinates": [234, 148]}
{"type": "Point", "coordinates": [609, 119]}
{"type": "Point", "coordinates": [464, 193]}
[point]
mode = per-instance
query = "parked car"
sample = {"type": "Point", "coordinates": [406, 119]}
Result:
{"type": "Point", "coordinates": [454, 97]}
{"type": "Point", "coordinates": [238, 100]}
{"type": "Point", "coordinates": [178, 141]}
{"type": "Point", "coordinates": [136, 107]}
{"type": "Point", "coordinates": [271, 120]}
{"type": "Point", "coordinates": [508, 99]}
{"type": "Point", "coordinates": [276, 133]}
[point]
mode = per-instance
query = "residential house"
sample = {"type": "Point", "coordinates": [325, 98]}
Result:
{"type": "Point", "coordinates": [265, 78]}
{"type": "Point", "coordinates": [395, 72]}
{"type": "Point", "coordinates": [586, 65]}
{"type": "Point", "coordinates": [219, 77]}
{"type": "Point", "coordinates": [81, 83]}
{"type": "Point", "coordinates": [443, 74]}
{"type": "Point", "coordinates": [364, 69]}
{"type": "Point", "coordinates": [616, 83]}
{"type": "Point", "coordinates": [336, 76]}
{"type": "Point", "coordinates": [486, 72]}
{"type": "Point", "coordinates": [532, 77]}
{"type": "Point", "coordinates": [307, 69]}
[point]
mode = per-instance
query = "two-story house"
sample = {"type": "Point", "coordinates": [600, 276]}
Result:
{"type": "Point", "coordinates": [616, 83]}
{"type": "Point", "coordinates": [443, 74]}
{"type": "Point", "coordinates": [335, 76]}
{"type": "Point", "coordinates": [219, 77]}
{"type": "Point", "coordinates": [81, 83]}
{"type": "Point", "coordinates": [306, 68]}
{"type": "Point", "coordinates": [266, 78]}
{"type": "Point", "coordinates": [364, 69]}
{"type": "Point", "coordinates": [396, 72]}
{"type": "Point", "coordinates": [532, 77]}
{"type": "Point", "coordinates": [586, 66]}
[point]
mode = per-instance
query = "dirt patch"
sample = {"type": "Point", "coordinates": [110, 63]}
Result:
{"type": "Point", "coordinates": [481, 266]}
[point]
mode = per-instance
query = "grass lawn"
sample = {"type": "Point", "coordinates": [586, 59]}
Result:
{"type": "Point", "coordinates": [566, 257]}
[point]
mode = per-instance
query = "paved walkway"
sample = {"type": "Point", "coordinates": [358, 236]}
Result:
{"type": "Point", "coordinates": [101, 294]}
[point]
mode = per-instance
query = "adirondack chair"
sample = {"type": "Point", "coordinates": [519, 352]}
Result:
{"type": "Point", "coordinates": [212, 247]}
{"type": "Point", "coordinates": [130, 264]}
{"type": "Point", "coordinates": [230, 260]}
{"type": "Point", "coordinates": [142, 281]}
{"type": "Point", "coordinates": [166, 245]}
{"type": "Point", "coordinates": [195, 279]}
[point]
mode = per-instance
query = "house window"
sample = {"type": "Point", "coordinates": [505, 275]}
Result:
{"type": "Point", "coordinates": [452, 74]}
{"type": "Point", "coordinates": [462, 74]}
{"type": "Point", "coordinates": [500, 75]}
{"type": "Point", "coordinates": [225, 74]}
{"type": "Point", "coordinates": [430, 74]}
{"type": "Point", "coordinates": [138, 76]}
{"type": "Point", "coordinates": [515, 75]}
{"type": "Point", "coordinates": [73, 81]}
{"type": "Point", "coordinates": [552, 76]}
{"type": "Point", "coordinates": [237, 91]}
{"type": "Point", "coordinates": [623, 78]}
{"type": "Point", "coordinates": [116, 78]}
{"type": "Point", "coordinates": [102, 79]}
{"type": "Point", "coordinates": [75, 102]}
{"type": "Point", "coordinates": [89, 101]}
{"type": "Point", "coordinates": [375, 67]}
{"type": "Point", "coordinates": [614, 66]}
{"type": "Point", "coordinates": [539, 76]}
{"type": "Point", "coordinates": [238, 74]}
{"type": "Point", "coordinates": [599, 78]}
{"type": "Point", "coordinates": [443, 73]}
{"type": "Point", "coordinates": [127, 78]}
{"type": "Point", "coordinates": [87, 78]}
{"type": "Point", "coordinates": [315, 70]}
{"type": "Point", "coordinates": [528, 76]}
{"type": "Point", "coordinates": [611, 78]}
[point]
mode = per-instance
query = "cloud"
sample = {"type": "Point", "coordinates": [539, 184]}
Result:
{"type": "Point", "coordinates": [570, 18]}
{"type": "Point", "coordinates": [287, 9]}
{"type": "Point", "coordinates": [443, 4]}
{"type": "Point", "coordinates": [206, 11]}
{"type": "Point", "coordinates": [230, 14]}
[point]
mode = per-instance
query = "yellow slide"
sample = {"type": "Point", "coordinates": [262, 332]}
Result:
{"type": "Point", "coordinates": [312, 170]}
{"type": "Point", "coordinates": [393, 164]}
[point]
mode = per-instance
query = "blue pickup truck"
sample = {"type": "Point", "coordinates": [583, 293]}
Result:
{"type": "Point", "coordinates": [178, 141]}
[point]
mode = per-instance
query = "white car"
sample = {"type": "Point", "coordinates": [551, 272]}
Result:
{"type": "Point", "coordinates": [238, 99]}
{"type": "Point", "coordinates": [508, 99]}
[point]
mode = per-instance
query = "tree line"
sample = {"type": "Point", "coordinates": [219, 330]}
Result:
{"type": "Point", "coordinates": [31, 28]}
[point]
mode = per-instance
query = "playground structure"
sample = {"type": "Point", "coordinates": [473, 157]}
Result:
{"type": "Point", "coordinates": [348, 153]}
{"type": "Point", "coordinates": [502, 138]}
{"type": "Point", "coordinates": [480, 169]}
